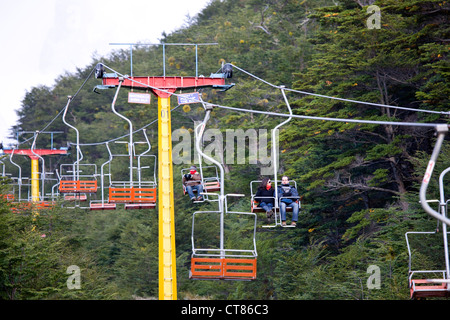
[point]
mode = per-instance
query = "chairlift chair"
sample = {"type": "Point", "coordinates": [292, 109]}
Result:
{"type": "Point", "coordinates": [254, 204]}
{"type": "Point", "coordinates": [423, 288]}
{"type": "Point", "coordinates": [134, 195]}
{"type": "Point", "coordinates": [210, 180]}
{"type": "Point", "coordinates": [221, 263]}
{"type": "Point", "coordinates": [76, 184]}
{"type": "Point", "coordinates": [432, 287]}
{"type": "Point", "coordinates": [103, 204]}
{"type": "Point", "coordinates": [18, 183]}
{"type": "Point", "coordinates": [9, 196]}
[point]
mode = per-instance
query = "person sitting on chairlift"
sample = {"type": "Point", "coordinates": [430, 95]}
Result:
{"type": "Point", "coordinates": [288, 197]}
{"type": "Point", "coordinates": [193, 181]}
{"type": "Point", "coordinates": [266, 197]}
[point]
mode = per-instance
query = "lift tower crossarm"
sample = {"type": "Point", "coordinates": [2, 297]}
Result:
{"type": "Point", "coordinates": [170, 84]}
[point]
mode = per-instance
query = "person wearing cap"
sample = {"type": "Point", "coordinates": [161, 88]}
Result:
{"type": "Point", "coordinates": [266, 196]}
{"type": "Point", "coordinates": [193, 181]}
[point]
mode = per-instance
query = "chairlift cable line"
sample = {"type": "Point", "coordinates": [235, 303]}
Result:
{"type": "Point", "coordinates": [62, 110]}
{"type": "Point", "coordinates": [417, 124]}
{"type": "Point", "coordinates": [265, 112]}
{"type": "Point", "coordinates": [342, 99]}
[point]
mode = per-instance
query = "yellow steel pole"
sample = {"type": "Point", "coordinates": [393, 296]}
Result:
{"type": "Point", "coordinates": [34, 179]}
{"type": "Point", "coordinates": [167, 257]}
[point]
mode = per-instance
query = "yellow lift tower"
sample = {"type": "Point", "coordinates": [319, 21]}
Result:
{"type": "Point", "coordinates": [163, 87]}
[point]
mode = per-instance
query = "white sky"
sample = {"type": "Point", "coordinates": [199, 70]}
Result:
{"type": "Point", "coordinates": [42, 39]}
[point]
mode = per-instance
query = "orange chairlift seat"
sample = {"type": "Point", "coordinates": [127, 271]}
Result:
{"type": "Point", "coordinates": [78, 186]}
{"type": "Point", "coordinates": [77, 182]}
{"type": "Point", "coordinates": [223, 268]}
{"type": "Point", "coordinates": [133, 197]}
{"type": "Point", "coordinates": [18, 207]}
{"type": "Point", "coordinates": [71, 181]}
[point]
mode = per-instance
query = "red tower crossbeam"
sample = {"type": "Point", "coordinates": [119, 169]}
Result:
{"type": "Point", "coordinates": [170, 84]}
{"type": "Point", "coordinates": [41, 152]}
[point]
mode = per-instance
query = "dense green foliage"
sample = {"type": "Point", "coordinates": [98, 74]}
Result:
{"type": "Point", "coordinates": [359, 181]}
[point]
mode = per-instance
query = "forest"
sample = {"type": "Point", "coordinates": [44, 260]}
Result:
{"type": "Point", "coordinates": [359, 181]}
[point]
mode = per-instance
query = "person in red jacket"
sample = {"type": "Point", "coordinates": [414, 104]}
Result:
{"type": "Point", "coordinates": [193, 181]}
{"type": "Point", "coordinates": [266, 196]}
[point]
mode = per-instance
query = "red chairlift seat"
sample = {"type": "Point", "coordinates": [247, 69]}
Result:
{"type": "Point", "coordinates": [427, 288]}
{"type": "Point", "coordinates": [8, 197]}
{"type": "Point", "coordinates": [212, 186]}
{"type": "Point", "coordinates": [255, 207]}
{"type": "Point", "coordinates": [102, 206]}
{"type": "Point", "coordinates": [43, 205]}
{"type": "Point", "coordinates": [140, 205]}
{"type": "Point", "coordinates": [17, 207]}
{"type": "Point", "coordinates": [75, 197]}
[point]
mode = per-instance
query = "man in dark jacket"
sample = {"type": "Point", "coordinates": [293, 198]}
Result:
{"type": "Point", "coordinates": [193, 181]}
{"type": "Point", "coordinates": [288, 196]}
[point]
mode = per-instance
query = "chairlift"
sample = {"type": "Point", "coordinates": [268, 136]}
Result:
{"type": "Point", "coordinates": [209, 175]}
{"type": "Point", "coordinates": [210, 180]}
{"type": "Point", "coordinates": [104, 204]}
{"type": "Point", "coordinates": [134, 195]}
{"type": "Point", "coordinates": [254, 204]}
{"type": "Point", "coordinates": [276, 209]}
{"type": "Point", "coordinates": [9, 196]}
{"type": "Point", "coordinates": [17, 184]}
{"type": "Point", "coordinates": [72, 181]}
{"type": "Point", "coordinates": [221, 263]}
{"type": "Point", "coordinates": [432, 287]}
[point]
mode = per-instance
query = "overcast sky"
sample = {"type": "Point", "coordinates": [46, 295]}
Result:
{"type": "Point", "coordinates": [42, 39]}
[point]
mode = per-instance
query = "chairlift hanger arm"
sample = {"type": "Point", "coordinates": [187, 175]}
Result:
{"type": "Point", "coordinates": [442, 130]}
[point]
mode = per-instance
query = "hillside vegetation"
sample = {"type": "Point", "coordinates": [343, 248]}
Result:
{"type": "Point", "coordinates": [359, 181]}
